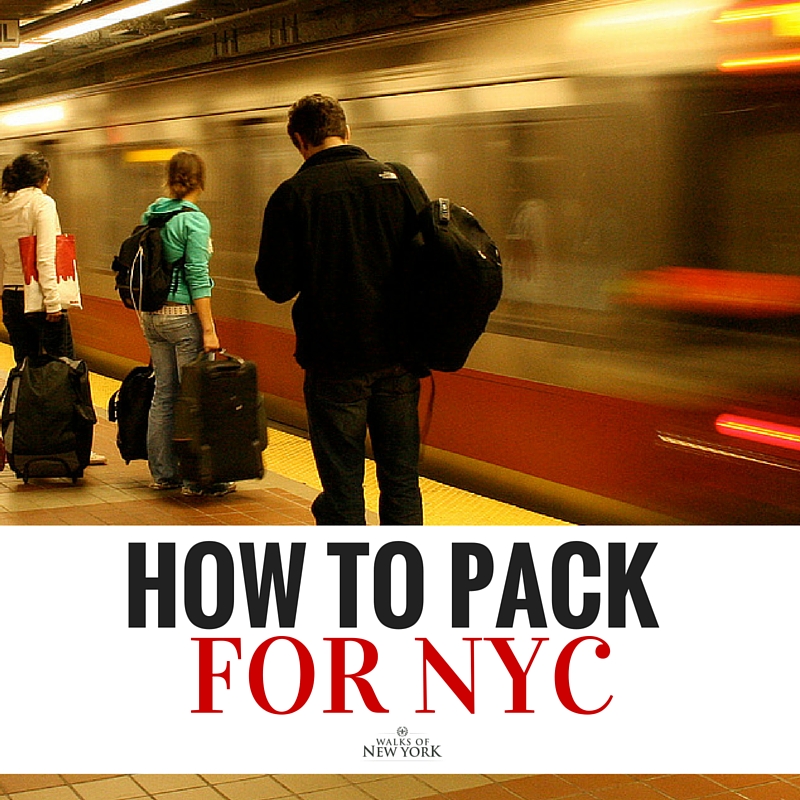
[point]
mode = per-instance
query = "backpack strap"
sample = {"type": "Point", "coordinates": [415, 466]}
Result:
{"type": "Point", "coordinates": [160, 222]}
{"type": "Point", "coordinates": [418, 199]}
{"type": "Point", "coordinates": [160, 219]}
{"type": "Point", "coordinates": [412, 187]}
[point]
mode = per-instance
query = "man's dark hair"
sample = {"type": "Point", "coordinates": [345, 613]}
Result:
{"type": "Point", "coordinates": [29, 169]}
{"type": "Point", "coordinates": [315, 117]}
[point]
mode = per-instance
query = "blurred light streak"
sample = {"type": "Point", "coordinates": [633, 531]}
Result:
{"type": "Point", "coordinates": [755, 430]}
{"type": "Point", "coordinates": [652, 13]}
{"type": "Point", "coordinates": [149, 156]}
{"type": "Point", "coordinates": [771, 11]}
{"type": "Point", "coordinates": [24, 47]}
{"type": "Point", "coordinates": [34, 116]}
{"type": "Point", "coordinates": [785, 59]}
{"type": "Point", "coordinates": [708, 448]}
{"type": "Point", "coordinates": [712, 291]}
{"type": "Point", "coordinates": [783, 18]}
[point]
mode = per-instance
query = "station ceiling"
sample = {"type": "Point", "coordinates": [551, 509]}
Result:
{"type": "Point", "coordinates": [191, 34]}
{"type": "Point", "coordinates": [32, 9]}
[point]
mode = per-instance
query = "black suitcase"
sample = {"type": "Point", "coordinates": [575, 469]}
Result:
{"type": "Point", "coordinates": [220, 421]}
{"type": "Point", "coordinates": [48, 418]}
{"type": "Point", "coordinates": [129, 407]}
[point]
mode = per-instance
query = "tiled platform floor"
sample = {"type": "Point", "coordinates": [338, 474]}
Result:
{"type": "Point", "coordinates": [399, 787]}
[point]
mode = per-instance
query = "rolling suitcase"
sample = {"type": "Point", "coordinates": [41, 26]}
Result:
{"type": "Point", "coordinates": [48, 418]}
{"type": "Point", "coordinates": [220, 421]}
{"type": "Point", "coordinates": [129, 407]}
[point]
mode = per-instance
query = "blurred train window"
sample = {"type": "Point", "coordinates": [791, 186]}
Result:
{"type": "Point", "coordinates": [567, 231]}
{"type": "Point", "coordinates": [575, 219]}
{"type": "Point", "coordinates": [755, 162]}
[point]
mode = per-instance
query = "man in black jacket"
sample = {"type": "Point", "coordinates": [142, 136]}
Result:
{"type": "Point", "coordinates": [333, 235]}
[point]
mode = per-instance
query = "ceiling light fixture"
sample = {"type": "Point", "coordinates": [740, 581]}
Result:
{"type": "Point", "coordinates": [87, 26]}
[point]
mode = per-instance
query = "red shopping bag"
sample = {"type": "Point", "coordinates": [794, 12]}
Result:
{"type": "Point", "coordinates": [66, 272]}
{"type": "Point", "coordinates": [27, 254]}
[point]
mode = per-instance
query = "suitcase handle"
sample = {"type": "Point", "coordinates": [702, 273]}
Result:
{"type": "Point", "coordinates": [212, 356]}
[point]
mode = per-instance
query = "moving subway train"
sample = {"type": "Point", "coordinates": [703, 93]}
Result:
{"type": "Point", "coordinates": [638, 164]}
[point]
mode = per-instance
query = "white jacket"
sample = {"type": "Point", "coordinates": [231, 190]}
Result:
{"type": "Point", "coordinates": [24, 213]}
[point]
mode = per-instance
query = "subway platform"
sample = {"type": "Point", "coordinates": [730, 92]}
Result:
{"type": "Point", "coordinates": [399, 787]}
{"type": "Point", "coordinates": [117, 493]}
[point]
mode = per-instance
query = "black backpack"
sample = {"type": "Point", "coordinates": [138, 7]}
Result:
{"type": "Point", "coordinates": [455, 279]}
{"type": "Point", "coordinates": [144, 277]}
{"type": "Point", "coordinates": [129, 407]}
{"type": "Point", "coordinates": [48, 418]}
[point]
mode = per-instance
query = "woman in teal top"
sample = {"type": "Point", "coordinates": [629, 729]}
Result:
{"type": "Point", "coordinates": [189, 235]}
{"type": "Point", "coordinates": [184, 327]}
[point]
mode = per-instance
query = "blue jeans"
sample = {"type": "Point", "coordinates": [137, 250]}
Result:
{"type": "Point", "coordinates": [340, 411]}
{"type": "Point", "coordinates": [174, 342]}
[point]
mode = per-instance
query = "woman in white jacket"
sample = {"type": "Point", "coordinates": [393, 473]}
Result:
{"type": "Point", "coordinates": [25, 210]}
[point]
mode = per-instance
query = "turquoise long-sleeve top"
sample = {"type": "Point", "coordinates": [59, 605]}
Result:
{"type": "Point", "coordinates": [190, 234]}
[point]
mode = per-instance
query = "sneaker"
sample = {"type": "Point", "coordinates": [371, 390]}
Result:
{"type": "Point", "coordinates": [215, 490]}
{"type": "Point", "coordinates": [165, 484]}
{"type": "Point", "coordinates": [219, 489]}
{"type": "Point", "coordinates": [96, 459]}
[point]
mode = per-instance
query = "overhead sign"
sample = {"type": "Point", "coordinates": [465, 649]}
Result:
{"type": "Point", "coordinates": [9, 33]}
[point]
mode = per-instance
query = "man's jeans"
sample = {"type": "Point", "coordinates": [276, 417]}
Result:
{"type": "Point", "coordinates": [174, 341]}
{"type": "Point", "coordinates": [339, 413]}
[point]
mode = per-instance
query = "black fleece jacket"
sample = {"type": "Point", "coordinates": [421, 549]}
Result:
{"type": "Point", "coordinates": [334, 235]}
